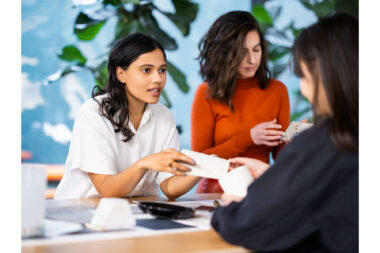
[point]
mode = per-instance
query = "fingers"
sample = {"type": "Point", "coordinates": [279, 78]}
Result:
{"type": "Point", "coordinates": [180, 167]}
{"type": "Point", "coordinates": [178, 156]}
{"type": "Point", "coordinates": [270, 125]}
{"type": "Point", "coordinates": [271, 143]}
{"type": "Point", "coordinates": [239, 160]}
{"type": "Point", "coordinates": [274, 132]}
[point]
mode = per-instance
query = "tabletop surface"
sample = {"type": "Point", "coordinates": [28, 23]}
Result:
{"type": "Point", "coordinates": [199, 241]}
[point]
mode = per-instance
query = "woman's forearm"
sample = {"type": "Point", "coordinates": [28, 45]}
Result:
{"type": "Point", "coordinates": [176, 186]}
{"type": "Point", "coordinates": [120, 184]}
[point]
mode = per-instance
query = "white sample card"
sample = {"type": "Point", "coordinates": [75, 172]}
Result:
{"type": "Point", "coordinates": [207, 166]}
{"type": "Point", "coordinates": [294, 129]}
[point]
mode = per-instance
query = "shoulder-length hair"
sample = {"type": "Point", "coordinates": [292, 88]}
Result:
{"type": "Point", "coordinates": [222, 51]}
{"type": "Point", "coordinates": [330, 50]}
{"type": "Point", "coordinates": [114, 106]}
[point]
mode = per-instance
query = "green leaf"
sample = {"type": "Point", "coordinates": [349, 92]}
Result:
{"type": "Point", "coordinates": [87, 28]}
{"type": "Point", "coordinates": [165, 99]}
{"type": "Point", "coordinates": [149, 22]}
{"type": "Point", "coordinates": [185, 14]}
{"type": "Point", "coordinates": [112, 2]}
{"type": "Point", "coordinates": [178, 77]}
{"type": "Point", "coordinates": [322, 8]}
{"type": "Point", "coordinates": [278, 69]}
{"type": "Point", "coordinates": [101, 74]}
{"type": "Point", "coordinates": [277, 52]}
{"type": "Point", "coordinates": [179, 129]}
{"type": "Point", "coordinates": [72, 53]}
{"type": "Point", "coordinates": [127, 26]}
{"type": "Point", "coordinates": [131, 1]}
{"type": "Point", "coordinates": [262, 16]}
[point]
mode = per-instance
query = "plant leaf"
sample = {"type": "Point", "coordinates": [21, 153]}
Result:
{"type": "Point", "coordinates": [262, 16]}
{"type": "Point", "coordinates": [72, 53]}
{"type": "Point", "coordinates": [178, 77]}
{"type": "Point", "coordinates": [278, 69]}
{"type": "Point", "coordinates": [101, 74]}
{"type": "Point", "coordinates": [185, 14]}
{"type": "Point", "coordinates": [149, 22]}
{"type": "Point", "coordinates": [61, 73]}
{"type": "Point", "coordinates": [322, 8]}
{"type": "Point", "coordinates": [127, 26]}
{"type": "Point", "coordinates": [87, 28]}
{"type": "Point", "coordinates": [277, 52]}
{"type": "Point", "coordinates": [179, 129]}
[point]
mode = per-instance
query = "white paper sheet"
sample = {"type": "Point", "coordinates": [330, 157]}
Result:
{"type": "Point", "coordinates": [206, 165]}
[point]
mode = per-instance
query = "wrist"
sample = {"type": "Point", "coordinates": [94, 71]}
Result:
{"type": "Point", "coordinates": [141, 166]}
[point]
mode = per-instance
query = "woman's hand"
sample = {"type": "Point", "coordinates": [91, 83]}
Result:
{"type": "Point", "coordinates": [264, 134]}
{"type": "Point", "coordinates": [256, 167]}
{"type": "Point", "coordinates": [167, 161]}
{"type": "Point", "coordinates": [227, 199]}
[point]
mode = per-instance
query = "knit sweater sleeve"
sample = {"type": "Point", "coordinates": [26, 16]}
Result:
{"type": "Point", "coordinates": [203, 127]}
{"type": "Point", "coordinates": [283, 115]}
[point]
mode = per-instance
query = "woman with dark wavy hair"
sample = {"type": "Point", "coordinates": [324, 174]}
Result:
{"type": "Point", "coordinates": [239, 110]}
{"type": "Point", "coordinates": [124, 142]}
{"type": "Point", "coordinates": [308, 200]}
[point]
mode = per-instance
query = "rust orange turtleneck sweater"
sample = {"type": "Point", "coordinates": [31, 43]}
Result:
{"type": "Point", "coordinates": [216, 130]}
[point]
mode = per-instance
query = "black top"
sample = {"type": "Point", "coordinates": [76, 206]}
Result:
{"type": "Point", "coordinates": [306, 202]}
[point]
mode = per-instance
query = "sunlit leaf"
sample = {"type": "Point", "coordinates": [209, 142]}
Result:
{"type": "Point", "coordinates": [87, 28]}
{"type": "Point", "coordinates": [72, 53]}
{"type": "Point", "coordinates": [262, 16]}
{"type": "Point", "coordinates": [61, 73]}
{"type": "Point", "coordinates": [178, 77]}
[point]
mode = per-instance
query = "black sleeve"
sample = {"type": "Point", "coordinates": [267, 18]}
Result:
{"type": "Point", "coordinates": [276, 204]}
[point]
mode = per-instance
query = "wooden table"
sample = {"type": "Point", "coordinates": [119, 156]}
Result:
{"type": "Point", "coordinates": [200, 241]}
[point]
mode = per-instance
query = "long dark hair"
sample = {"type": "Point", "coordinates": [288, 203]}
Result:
{"type": "Point", "coordinates": [221, 52]}
{"type": "Point", "coordinates": [330, 50]}
{"type": "Point", "coordinates": [114, 106]}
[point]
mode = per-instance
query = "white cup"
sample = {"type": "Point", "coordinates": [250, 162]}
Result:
{"type": "Point", "coordinates": [236, 182]}
{"type": "Point", "coordinates": [33, 186]}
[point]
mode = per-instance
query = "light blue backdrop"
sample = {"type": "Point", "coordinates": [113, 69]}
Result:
{"type": "Point", "coordinates": [48, 111]}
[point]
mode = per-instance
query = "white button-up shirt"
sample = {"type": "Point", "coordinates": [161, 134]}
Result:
{"type": "Point", "coordinates": [96, 148]}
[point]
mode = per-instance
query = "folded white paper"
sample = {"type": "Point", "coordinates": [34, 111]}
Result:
{"type": "Point", "coordinates": [294, 129]}
{"type": "Point", "coordinates": [206, 165]}
{"type": "Point", "coordinates": [113, 214]}
{"type": "Point", "coordinates": [236, 181]}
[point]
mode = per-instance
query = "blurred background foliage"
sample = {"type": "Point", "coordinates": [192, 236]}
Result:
{"type": "Point", "coordinates": [136, 16]}
{"type": "Point", "coordinates": [132, 16]}
{"type": "Point", "coordinates": [281, 41]}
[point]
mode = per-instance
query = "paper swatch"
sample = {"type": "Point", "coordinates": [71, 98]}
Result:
{"type": "Point", "coordinates": [207, 166]}
{"type": "Point", "coordinates": [294, 129]}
